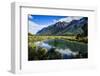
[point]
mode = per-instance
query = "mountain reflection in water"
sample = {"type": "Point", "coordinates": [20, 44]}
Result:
{"type": "Point", "coordinates": [65, 52]}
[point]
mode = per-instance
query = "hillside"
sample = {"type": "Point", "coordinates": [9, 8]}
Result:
{"type": "Point", "coordinates": [64, 28]}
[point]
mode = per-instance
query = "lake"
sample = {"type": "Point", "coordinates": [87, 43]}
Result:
{"type": "Point", "coordinates": [63, 49]}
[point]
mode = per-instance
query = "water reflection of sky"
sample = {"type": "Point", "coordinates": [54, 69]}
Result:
{"type": "Point", "coordinates": [64, 52]}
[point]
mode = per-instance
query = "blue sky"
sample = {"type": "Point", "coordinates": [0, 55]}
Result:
{"type": "Point", "coordinates": [44, 19]}
{"type": "Point", "coordinates": [37, 22]}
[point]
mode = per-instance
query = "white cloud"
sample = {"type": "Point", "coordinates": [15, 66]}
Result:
{"type": "Point", "coordinates": [30, 17]}
{"type": "Point", "coordinates": [34, 28]}
{"type": "Point", "coordinates": [54, 21]}
{"type": "Point", "coordinates": [70, 18]}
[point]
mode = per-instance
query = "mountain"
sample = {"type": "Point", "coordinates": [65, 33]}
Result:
{"type": "Point", "coordinates": [73, 27]}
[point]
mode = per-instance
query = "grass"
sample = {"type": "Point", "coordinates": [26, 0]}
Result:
{"type": "Point", "coordinates": [71, 38]}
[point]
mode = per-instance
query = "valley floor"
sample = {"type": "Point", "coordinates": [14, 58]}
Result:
{"type": "Point", "coordinates": [71, 38]}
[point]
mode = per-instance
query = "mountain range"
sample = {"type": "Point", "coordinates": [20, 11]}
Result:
{"type": "Point", "coordinates": [63, 28]}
